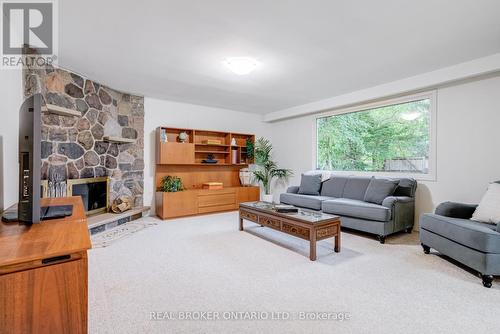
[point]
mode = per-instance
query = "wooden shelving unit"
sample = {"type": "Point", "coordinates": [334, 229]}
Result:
{"type": "Point", "coordinates": [196, 149]}
{"type": "Point", "coordinates": [185, 160]}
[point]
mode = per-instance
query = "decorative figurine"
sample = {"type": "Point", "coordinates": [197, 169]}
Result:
{"type": "Point", "coordinates": [163, 136]}
{"type": "Point", "coordinates": [183, 137]}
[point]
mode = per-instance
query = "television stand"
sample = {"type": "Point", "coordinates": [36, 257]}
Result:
{"type": "Point", "coordinates": [44, 273]}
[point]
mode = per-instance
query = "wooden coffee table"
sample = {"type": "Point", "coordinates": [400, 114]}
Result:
{"type": "Point", "coordinates": [306, 224]}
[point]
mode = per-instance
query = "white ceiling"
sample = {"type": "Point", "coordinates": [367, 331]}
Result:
{"type": "Point", "coordinates": [309, 50]}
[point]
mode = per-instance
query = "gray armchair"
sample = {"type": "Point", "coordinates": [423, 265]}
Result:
{"type": "Point", "coordinates": [451, 232]}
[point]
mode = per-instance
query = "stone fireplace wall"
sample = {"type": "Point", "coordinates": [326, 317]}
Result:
{"type": "Point", "coordinates": [73, 146]}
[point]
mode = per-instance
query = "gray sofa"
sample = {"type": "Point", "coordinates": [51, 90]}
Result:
{"type": "Point", "coordinates": [451, 232]}
{"type": "Point", "coordinates": [345, 196]}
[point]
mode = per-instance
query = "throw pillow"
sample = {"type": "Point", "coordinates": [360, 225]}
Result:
{"type": "Point", "coordinates": [325, 174]}
{"type": "Point", "coordinates": [488, 210]}
{"type": "Point", "coordinates": [310, 184]}
{"type": "Point", "coordinates": [379, 189]}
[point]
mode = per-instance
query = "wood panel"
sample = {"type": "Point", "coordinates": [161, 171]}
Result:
{"type": "Point", "coordinates": [216, 200]}
{"type": "Point", "coordinates": [50, 299]}
{"type": "Point", "coordinates": [218, 208]}
{"type": "Point", "coordinates": [177, 204]}
{"type": "Point", "coordinates": [248, 194]}
{"type": "Point", "coordinates": [176, 153]}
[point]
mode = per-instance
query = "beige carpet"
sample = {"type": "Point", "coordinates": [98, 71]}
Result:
{"type": "Point", "coordinates": [206, 264]}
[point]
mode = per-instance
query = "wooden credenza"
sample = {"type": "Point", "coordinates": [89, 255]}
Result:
{"type": "Point", "coordinates": [43, 273]}
{"type": "Point", "coordinates": [200, 201]}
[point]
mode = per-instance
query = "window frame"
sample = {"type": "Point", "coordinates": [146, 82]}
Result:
{"type": "Point", "coordinates": [431, 95]}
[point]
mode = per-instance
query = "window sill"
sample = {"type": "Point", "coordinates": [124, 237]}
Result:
{"type": "Point", "coordinates": [431, 177]}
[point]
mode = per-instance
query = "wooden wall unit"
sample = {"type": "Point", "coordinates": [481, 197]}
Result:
{"type": "Point", "coordinates": [43, 273]}
{"type": "Point", "coordinates": [185, 161]}
{"type": "Point", "coordinates": [200, 143]}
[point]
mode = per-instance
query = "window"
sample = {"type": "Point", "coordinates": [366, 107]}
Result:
{"type": "Point", "coordinates": [394, 137]}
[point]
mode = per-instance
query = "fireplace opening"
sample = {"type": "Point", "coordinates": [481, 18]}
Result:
{"type": "Point", "coordinates": [93, 191]}
{"type": "Point", "coordinates": [94, 194]}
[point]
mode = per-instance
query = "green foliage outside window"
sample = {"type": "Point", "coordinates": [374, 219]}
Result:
{"type": "Point", "coordinates": [376, 139]}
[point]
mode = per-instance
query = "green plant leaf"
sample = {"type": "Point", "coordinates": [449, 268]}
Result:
{"type": "Point", "coordinates": [269, 169]}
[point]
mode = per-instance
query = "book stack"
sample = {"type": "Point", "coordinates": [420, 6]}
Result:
{"type": "Point", "coordinates": [213, 185]}
{"type": "Point", "coordinates": [285, 208]}
{"type": "Point", "coordinates": [212, 142]}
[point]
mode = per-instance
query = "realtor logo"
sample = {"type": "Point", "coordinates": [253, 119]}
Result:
{"type": "Point", "coordinates": [28, 28]}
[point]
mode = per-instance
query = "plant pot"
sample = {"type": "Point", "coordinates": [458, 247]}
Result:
{"type": "Point", "coordinates": [267, 198]}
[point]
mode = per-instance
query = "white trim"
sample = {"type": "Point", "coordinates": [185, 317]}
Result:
{"type": "Point", "coordinates": [426, 81]}
{"type": "Point", "coordinates": [431, 95]}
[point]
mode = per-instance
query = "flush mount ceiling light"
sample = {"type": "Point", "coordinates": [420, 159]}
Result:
{"type": "Point", "coordinates": [241, 65]}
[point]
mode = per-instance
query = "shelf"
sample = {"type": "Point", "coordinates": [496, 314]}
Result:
{"type": "Point", "coordinates": [118, 140]}
{"type": "Point", "coordinates": [202, 164]}
{"type": "Point", "coordinates": [213, 152]}
{"type": "Point", "coordinates": [220, 145]}
{"type": "Point", "coordinates": [61, 111]}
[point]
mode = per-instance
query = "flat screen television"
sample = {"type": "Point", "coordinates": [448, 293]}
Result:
{"type": "Point", "coordinates": [28, 208]}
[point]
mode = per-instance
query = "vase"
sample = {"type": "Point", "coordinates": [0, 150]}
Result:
{"type": "Point", "coordinates": [245, 177]}
{"type": "Point", "coordinates": [267, 198]}
{"type": "Point", "coordinates": [234, 157]}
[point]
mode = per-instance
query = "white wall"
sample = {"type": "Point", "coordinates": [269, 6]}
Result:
{"type": "Point", "coordinates": [468, 142]}
{"type": "Point", "coordinates": [10, 102]}
{"type": "Point", "coordinates": [183, 115]}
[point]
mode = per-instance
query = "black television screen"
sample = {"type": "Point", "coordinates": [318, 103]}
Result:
{"type": "Point", "coordinates": [30, 159]}
{"type": "Point", "coordinates": [28, 209]}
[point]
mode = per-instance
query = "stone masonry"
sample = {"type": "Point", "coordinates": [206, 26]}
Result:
{"type": "Point", "coordinates": [73, 147]}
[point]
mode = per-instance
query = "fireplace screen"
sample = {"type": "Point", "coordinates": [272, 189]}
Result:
{"type": "Point", "coordinates": [94, 192]}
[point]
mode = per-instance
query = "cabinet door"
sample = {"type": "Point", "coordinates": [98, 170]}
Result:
{"type": "Point", "coordinates": [50, 299]}
{"type": "Point", "coordinates": [176, 153]}
{"type": "Point", "coordinates": [181, 203]}
{"type": "Point", "coordinates": [248, 194]}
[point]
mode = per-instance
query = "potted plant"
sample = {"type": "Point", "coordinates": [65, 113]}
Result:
{"type": "Point", "coordinates": [170, 184]}
{"type": "Point", "coordinates": [250, 149]}
{"type": "Point", "coordinates": [267, 168]}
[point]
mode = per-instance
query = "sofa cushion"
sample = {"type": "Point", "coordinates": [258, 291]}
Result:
{"type": "Point", "coordinates": [310, 184]}
{"type": "Point", "coordinates": [488, 210]}
{"type": "Point", "coordinates": [379, 189]}
{"type": "Point", "coordinates": [356, 208]}
{"type": "Point", "coordinates": [325, 174]}
{"type": "Point", "coordinates": [479, 236]}
{"type": "Point", "coordinates": [334, 187]}
{"type": "Point", "coordinates": [303, 201]}
{"type": "Point", "coordinates": [406, 187]}
{"type": "Point", "coordinates": [355, 187]}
